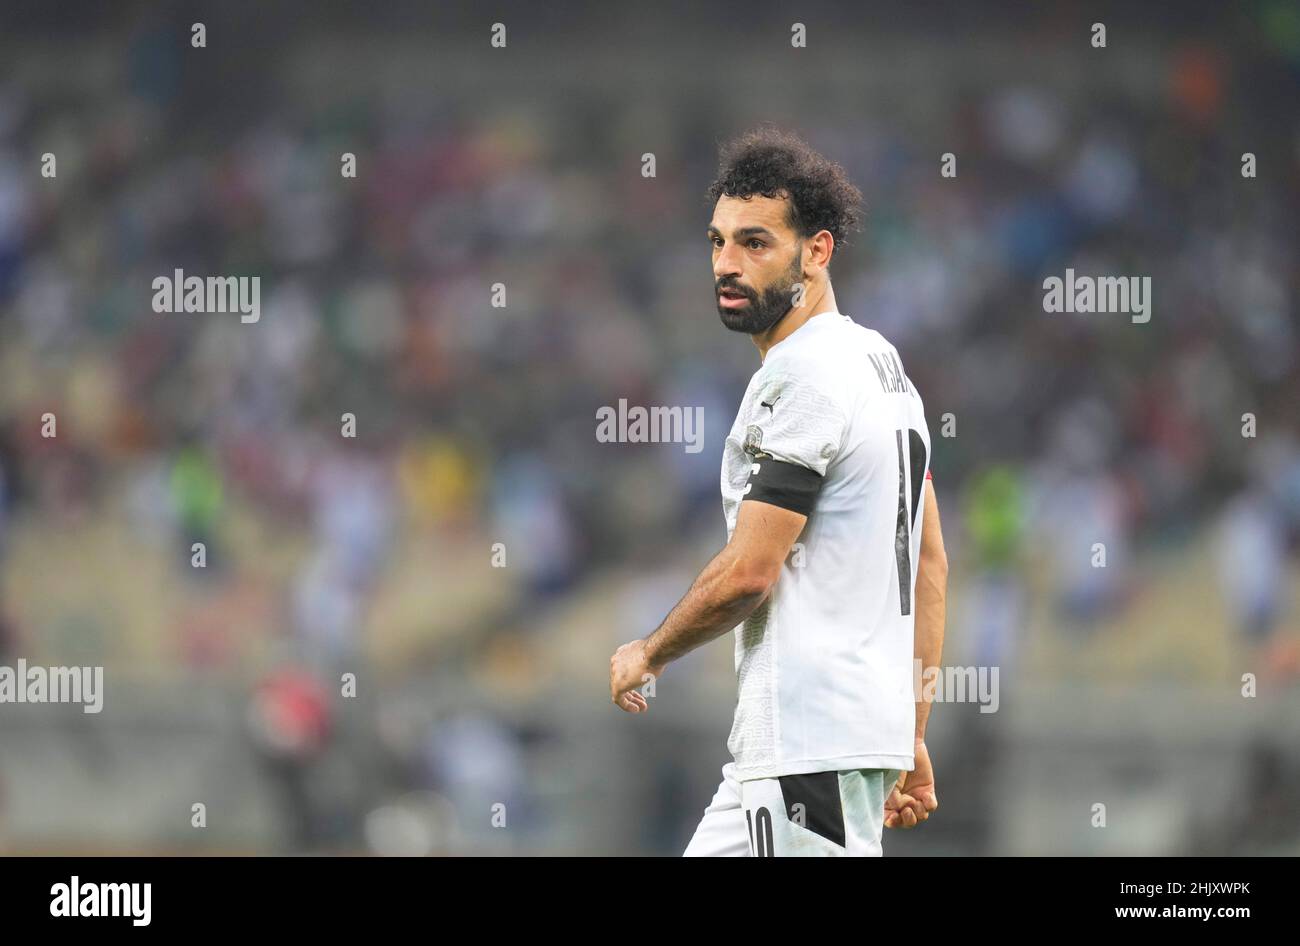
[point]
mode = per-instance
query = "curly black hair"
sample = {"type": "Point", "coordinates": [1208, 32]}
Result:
{"type": "Point", "coordinates": [775, 163]}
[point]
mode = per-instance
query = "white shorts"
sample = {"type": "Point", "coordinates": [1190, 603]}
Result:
{"type": "Point", "coordinates": [825, 814]}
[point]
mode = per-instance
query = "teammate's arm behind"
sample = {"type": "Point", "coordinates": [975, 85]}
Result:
{"type": "Point", "coordinates": [914, 798]}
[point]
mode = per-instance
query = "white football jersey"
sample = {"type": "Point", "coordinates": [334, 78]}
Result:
{"type": "Point", "coordinates": [824, 665]}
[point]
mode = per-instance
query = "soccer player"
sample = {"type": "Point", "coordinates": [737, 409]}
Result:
{"type": "Point", "coordinates": [829, 450]}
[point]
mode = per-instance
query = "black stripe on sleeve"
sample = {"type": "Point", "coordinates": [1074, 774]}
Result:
{"type": "Point", "coordinates": [787, 485]}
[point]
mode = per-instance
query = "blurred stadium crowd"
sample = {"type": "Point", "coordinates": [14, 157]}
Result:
{"type": "Point", "coordinates": [375, 555]}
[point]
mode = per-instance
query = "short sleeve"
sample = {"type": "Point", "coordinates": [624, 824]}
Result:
{"type": "Point", "coordinates": [798, 422]}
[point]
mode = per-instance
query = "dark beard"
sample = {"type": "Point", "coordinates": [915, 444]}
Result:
{"type": "Point", "coordinates": [772, 305]}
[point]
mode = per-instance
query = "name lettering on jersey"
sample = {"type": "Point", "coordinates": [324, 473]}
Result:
{"type": "Point", "coordinates": [890, 373]}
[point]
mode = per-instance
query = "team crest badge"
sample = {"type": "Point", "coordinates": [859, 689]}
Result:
{"type": "Point", "coordinates": [754, 443]}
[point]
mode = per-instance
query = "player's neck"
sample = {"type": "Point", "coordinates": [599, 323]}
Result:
{"type": "Point", "coordinates": [794, 320]}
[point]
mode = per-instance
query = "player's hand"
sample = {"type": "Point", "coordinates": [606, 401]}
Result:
{"type": "Point", "coordinates": [913, 797]}
{"type": "Point", "coordinates": [628, 669]}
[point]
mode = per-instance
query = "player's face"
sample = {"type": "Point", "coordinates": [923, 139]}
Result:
{"type": "Point", "coordinates": [757, 261]}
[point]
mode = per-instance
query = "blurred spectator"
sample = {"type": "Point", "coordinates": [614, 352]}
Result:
{"type": "Point", "coordinates": [289, 721]}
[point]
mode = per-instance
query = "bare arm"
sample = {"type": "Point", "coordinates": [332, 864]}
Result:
{"type": "Point", "coordinates": [931, 600]}
{"type": "Point", "coordinates": [731, 586]}
{"type": "Point", "coordinates": [914, 798]}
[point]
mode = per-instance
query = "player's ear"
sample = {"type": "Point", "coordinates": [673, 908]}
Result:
{"type": "Point", "coordinates": [826, 248]}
